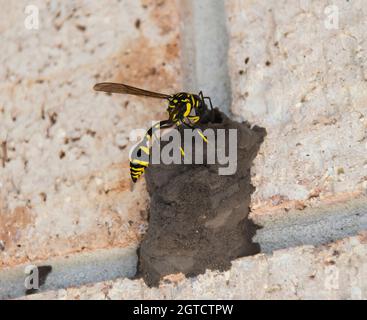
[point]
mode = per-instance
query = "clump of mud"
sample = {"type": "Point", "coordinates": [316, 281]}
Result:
{"type": "Point", "coordinates": [198, 219]}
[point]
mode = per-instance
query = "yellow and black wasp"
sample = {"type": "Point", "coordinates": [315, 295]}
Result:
{"type": "Point", "coordinates": [184, 109]}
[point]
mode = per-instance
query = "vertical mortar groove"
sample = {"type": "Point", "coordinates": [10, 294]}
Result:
{"type": "Point", "coordinates": [205, 50]}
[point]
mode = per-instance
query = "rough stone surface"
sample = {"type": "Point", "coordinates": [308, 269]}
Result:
{"type": "Point", "coordinates": [307, 85]}
{"type": "Point", "coordinates": [336, 271]}
{"type": "Point", "coordinates": [64, 178]}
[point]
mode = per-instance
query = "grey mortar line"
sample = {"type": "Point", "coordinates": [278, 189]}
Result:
{"type": "Point", "coordinates": [73, 270]}
{"type": "Point", "coordinates": [204, 50]}
{"type": "Point", "coordinates": [312, 226]}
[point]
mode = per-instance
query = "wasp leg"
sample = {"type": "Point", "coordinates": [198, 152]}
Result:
{"type": "Point", "coordinates": [160, 125]}
{"type": "Point", "coordinates": [201, 134]}
{"type": "Point", "coordinates": [198, 131]}
{"type": "Point", "coordinates": [212, 117]}
{"type": "Point", "coordinates": [165, 124]}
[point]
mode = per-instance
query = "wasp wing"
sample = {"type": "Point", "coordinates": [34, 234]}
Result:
{"type": "Point", "coordinates": [125, 89]}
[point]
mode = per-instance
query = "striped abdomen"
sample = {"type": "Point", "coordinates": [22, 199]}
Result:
{"type": "Point", "coordinates": [139, 161]}
{"type": "Point", "coordinates": [140, 156]}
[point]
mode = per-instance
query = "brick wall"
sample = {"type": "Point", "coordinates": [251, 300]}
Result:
{"type": "Point", "coordinates": [296, 68]}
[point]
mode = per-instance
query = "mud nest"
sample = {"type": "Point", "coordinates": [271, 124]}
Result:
{"type": "Point", "coordinates": [198, 219]}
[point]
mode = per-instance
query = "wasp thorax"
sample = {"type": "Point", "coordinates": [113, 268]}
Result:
{"type": "Point", "coordinates": [181, 105]}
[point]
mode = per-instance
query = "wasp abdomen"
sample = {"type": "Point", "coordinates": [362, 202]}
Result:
{"type": "Point", "coordinates": [139, 159]}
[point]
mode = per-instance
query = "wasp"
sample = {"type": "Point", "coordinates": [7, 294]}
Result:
{"type": "Point", "coordinates": [184, 109]}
